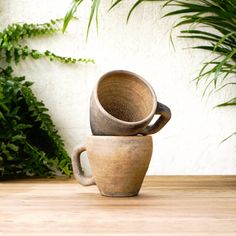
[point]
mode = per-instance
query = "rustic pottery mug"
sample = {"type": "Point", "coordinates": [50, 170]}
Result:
{"type": "Point", "coordinates": [123, 104]}
{"type": "Point", "coordinates": [118, 163]}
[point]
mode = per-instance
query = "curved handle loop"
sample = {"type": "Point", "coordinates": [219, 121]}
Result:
{"type": "Point", "coordinates": [77, 168]}
{"type": "Point", "coordinates": [165, 115]}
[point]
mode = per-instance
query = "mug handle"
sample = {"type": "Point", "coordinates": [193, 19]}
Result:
{"type": "Point", "coordinates": [165, 115]}
{"type": "Point", "coordinates": [77, 167]}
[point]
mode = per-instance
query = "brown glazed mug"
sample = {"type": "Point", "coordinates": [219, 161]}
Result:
{"type": "Point", "coordinates": [118, 163]}
{"type": "Point", "coordinates": [123, 104]}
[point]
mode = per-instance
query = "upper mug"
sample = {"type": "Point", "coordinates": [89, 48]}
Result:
{"type": "Point", "coordinates": [123, 104]}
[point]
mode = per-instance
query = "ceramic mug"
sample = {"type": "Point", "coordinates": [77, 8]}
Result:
{"type": "Point", "coordinates": [118, 163]}
{"type": "Point", "coordinates": [123, 103]}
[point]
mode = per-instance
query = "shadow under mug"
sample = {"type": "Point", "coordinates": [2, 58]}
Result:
{"type": "Point", "coordinates": [123, 104]}
{"type": "Point", "coordinates": [118, 163]}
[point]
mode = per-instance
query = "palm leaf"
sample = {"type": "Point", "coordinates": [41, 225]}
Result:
{"type": "Point", "coordinates": [133, 7]}
{"type": "Point", "coordinates": [223, 39]}
{"type": "Point", "coordinates": [228, 137]}
{"type": "Point", "coordinates": [213, 23]}
{"type": "Point", "coordinates": [115, 3]}
{"type": "Point", "coordinates": [231, 102]}
{"type": "Point", "coordinates": [70, 14]}
{"type": "Point", "coordinates": [223, 86]}
{"type": "Point", "coordinates": [94, 9]}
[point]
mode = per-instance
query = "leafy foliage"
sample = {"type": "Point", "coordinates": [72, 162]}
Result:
{"type": "Point", "coordinates": [137, 3]}
{"type": "Point", "coordinates": [70, 14]}
{"type": "Point", "coordinates": [213, 23]}
{"type": "Point", "coordinates": [29, 142]}
{"type": "Point", "coordinates": [219, 17]}
{"type": "Point", "coordinates": [94, 11]}
{"type": "Point", "coordinates": [12, 47]}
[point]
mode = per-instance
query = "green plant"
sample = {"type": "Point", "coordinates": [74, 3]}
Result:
{"type": "Point", "coordinates": [70, 14]}
{"type": "Point", "coordinates": [213, 24]}
{"type": "Point", "coordinates": [11, 42]}
{"type": "Point", "coordinates": [94, 11]}
{"type": "Point", "coordinates": [29, 142]}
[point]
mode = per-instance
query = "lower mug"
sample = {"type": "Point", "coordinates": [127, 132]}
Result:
{"type": "Point", "coordinates": [119, 163]}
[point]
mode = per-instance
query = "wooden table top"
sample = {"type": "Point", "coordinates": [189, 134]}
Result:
{"type": "Point", "coordinates": [167, 205]}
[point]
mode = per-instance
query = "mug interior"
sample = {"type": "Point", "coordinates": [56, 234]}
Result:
{"type": "Point", "coordinates": [125, 97]}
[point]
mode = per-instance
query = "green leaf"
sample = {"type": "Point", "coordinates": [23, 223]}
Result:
{"type": "Point", "coordinates": [2, 116]}
{"type": "Point", "coordinates": [223, 39]}
{"type": "Point", "coordinates": [63, 163]}
{"type": "Point", "coordinates": [18, 137]}
{"type": "Point", "coordinates": [13, 147]}
{"type": "Point", "coordinates": [115, 3]}
{"type": "Point", "coordinates": [223, 86]}
{"type": "Point", "coordinates": [224, 61]}
{"type": "Point", "coordinates": [228, 137]}
{"type": "Point", "coordinates": [231, 102]}
{"type": "Point", "coordinates": [23, 126]}
{"type": "Point", "coordinates": [70, 14]}
{"type": "Point", "coordinates": [137, 3]}
{"type": "Point", "coordinates": [94, 8]}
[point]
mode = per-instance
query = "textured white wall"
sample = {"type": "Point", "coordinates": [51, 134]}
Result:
{"type": "Point", "coordinates": [189, 144]}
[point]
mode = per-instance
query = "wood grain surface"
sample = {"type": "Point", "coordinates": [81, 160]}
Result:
{"type": "Point", "coordinates": [167, 205]}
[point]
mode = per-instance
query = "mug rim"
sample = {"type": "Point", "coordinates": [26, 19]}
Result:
{"type": "Point", "coordinates": [91, 136]}
{"type": "Point", "coordinates": [150, 115]}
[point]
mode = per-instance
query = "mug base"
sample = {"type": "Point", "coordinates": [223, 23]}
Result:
{"type": "Point", "coordinates": [107, 194]}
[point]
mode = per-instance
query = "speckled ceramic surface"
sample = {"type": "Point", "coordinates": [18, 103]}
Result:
{"type": "Point", "coordinates": [119, 163]}
{"type": "Point", "coordinates": [123, 103]}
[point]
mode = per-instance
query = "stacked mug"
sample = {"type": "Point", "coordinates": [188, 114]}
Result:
{"type": "Point", "coordinates": [121, 107]}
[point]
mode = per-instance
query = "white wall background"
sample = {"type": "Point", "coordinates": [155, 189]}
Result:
{"type": "Point", "coordinates": [189, 144]}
